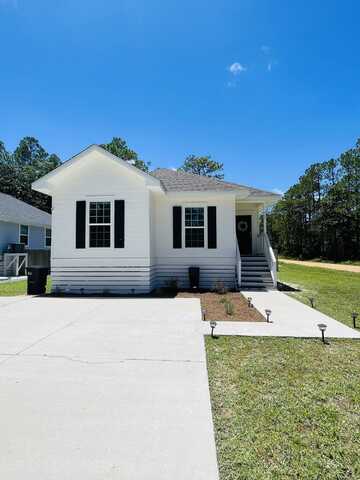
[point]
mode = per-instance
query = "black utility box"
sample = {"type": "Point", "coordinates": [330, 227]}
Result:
{"type": "Point", "coordinates": [194, 277]}
{"type": "Point", "coordinates": [36, 281]}
{"type": "Point", "coordinates": [16, 248]}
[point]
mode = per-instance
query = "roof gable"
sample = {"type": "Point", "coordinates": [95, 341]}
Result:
{"type": "Point", "coordinates": [46, 183]}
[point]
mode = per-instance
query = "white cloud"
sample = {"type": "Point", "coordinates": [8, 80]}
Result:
{"type": "Point", "coordinates": [278, 191]}
{"type": "Point", "coordinates": [236, 68]}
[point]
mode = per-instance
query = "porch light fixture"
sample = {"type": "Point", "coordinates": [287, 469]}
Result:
{"type": "Point", "coordinates": [322, 328]}
{"type": "Point", "coordinates": [268, 313]}
{"type": "Point", "coordinates": [354, 316]}
{"type": "Point", "coordinates": [212, 326]}
{"type": "Point", "coordinates": [249, 300]}
{"type": "Point", "coordinates": [204, 314]}
{"type": "Point", "coordinates": [312, 302]}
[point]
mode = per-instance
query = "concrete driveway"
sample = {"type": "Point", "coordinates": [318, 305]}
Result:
{"type": "Point", "coordinates": [104, 389]}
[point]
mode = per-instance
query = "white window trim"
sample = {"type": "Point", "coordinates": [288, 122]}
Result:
{"type": "Point", "coordinates": [28, 234]}
{"type": "Point", "coordinates": [205, 227]}
{"type": "Point", "coordinates": [45, 230]}
{"type": "Point", "coordinates": [88, 224]}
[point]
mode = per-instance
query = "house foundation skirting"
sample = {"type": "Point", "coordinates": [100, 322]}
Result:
{"type": "Point", "coordinates": [137, 279]}
{"type": "Point", "coordinates": [209, 275]}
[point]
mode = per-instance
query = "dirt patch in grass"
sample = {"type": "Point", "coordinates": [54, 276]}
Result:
{"type": "Point", "coordinates": [214, 305]}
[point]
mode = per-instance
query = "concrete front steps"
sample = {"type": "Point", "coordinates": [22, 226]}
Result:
{"type": "Point", "coordinates": [255, 273]}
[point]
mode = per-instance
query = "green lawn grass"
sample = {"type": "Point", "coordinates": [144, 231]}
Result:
{"type": "Point", "coordinates": [336, 293]}
{"type": "Point", "coordinates": [11, 289]}
{"type": "Point", "coordinates": [285, 408]}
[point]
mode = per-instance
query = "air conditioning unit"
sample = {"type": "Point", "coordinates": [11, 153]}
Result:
{"type": "Point", "coordinates": [16, 248]}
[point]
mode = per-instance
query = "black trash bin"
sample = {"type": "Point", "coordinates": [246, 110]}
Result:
{"type": "Point", "coordinates": [194, 277]}
{"type": "Point", "coordinates": [36, 281]}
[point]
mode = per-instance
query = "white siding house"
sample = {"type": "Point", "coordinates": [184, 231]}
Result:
{"type": "Point", "coordinates": [117, 229]}
{"type": "Point", "coordinates": [215, 263]}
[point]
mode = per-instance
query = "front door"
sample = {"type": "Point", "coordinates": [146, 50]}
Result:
{"type": "Point", "coordinates": [243, 234]}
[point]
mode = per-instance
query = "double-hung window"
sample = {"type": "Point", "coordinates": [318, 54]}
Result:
{"type": "Point", "coordinates": [99, 224]}
{"type": "Point", "coordinates": [47, 237]}
{"type": "Point", "coordinates": [24, 235]}
{"type": "Point", "coordinates": [194, 227]}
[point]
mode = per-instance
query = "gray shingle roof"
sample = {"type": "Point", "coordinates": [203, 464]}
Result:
{"type": "Point", "coordinates": [177, 181]}
{"type": "Point", "coordinates": [16, 211]}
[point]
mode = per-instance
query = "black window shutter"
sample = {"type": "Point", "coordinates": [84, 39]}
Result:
{"type": "Point", "coordinates": [80, 223]}
{"type": "Point", "coordinates": [176, 227]}
{"type": "Point", "coordinates": [212, 227]}
{"type": "Point", "coordinates": [119, 230]}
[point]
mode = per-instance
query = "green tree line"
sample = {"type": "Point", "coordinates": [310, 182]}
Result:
{"type": "Point", "coordinates": [319, 216]}
{"type": "Point", "coordinates": [20, 168]}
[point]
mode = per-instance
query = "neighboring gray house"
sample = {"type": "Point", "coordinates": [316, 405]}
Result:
{"type": "Point", "coordinates": [22, 223]}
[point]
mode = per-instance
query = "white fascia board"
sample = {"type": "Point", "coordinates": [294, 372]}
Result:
{"type": "Point", "coordinates": [206, 193]}
{"type": "Point", "coordinates": [268, 201]}
{"type": "Point", "coordinates": [44, 184]}
{"type": "Point", "coordinates": [40, 225]}
{"type": "Point", "coordinates": [24, 221]}
{"type": "Point", "coordinates": [41, 186]}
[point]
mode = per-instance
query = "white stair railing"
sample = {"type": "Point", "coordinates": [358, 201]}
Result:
{"type": "Point", "coordinates": [238, 264]}
{"type": "Point", "coordinates": [270, 257]}
{"type": "Point", "coordinates": [259, 244]}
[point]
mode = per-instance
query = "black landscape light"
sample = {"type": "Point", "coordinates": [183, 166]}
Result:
{"type": "Point", "coordinates": [322, 328]}
{"type": "Point", "coordinates": [212, 326]}
{"type": "Point", "coordinates": [354, 316]}
{"type": "Point", "coordinates": [249, 302]}
{"type": "Point", "coordinates": [312, 302]}
{"type": "Point", "coordinates": [268, 313]}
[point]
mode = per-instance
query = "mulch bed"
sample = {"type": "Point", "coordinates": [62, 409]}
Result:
{"type": "Point", "coordinates": [215, 309]}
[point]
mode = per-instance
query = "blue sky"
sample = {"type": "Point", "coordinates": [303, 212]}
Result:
{"type": "Point", "coordinates": [265, 86]}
